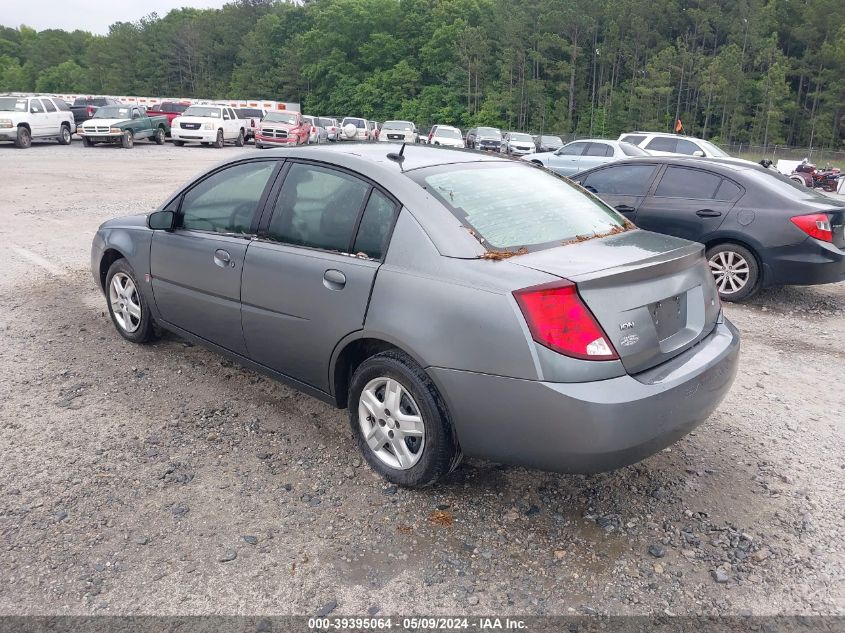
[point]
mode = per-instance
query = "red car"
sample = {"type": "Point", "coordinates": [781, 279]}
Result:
{"type": "Point", "coordinates": [282, 128]}
{"type": "Point", "coordinates": [170, 109]}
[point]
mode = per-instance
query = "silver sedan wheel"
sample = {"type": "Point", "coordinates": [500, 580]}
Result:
{"type": "Point", "coordinates": [391, 423]}
{"type": "Point", "coordinates": [730, 270]}
{"type": "Point", "coordinates": [125, 303]}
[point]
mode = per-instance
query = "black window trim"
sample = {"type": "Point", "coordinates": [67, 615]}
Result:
{"type": "Point", "coordinates": [270, 206]}
{"type": "Point", "coordinates": [179, 198]}
{"type": "Point", "coordinates": [655, 178]}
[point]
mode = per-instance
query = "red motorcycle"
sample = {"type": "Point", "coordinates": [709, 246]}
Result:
{"type": "Point", "coordinates": [807, 174]}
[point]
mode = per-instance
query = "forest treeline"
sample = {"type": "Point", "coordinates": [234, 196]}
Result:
{"type": "Point", "coordinates": [753, 71]}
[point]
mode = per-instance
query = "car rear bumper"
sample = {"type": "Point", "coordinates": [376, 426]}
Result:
{"type": "Point", "coordinates": [592, 426]}
{"type": "Point", "coordinates": [810, 262]}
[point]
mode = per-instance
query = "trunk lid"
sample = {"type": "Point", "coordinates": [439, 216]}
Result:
{"type": "Point", "coordinates": [653, 294]}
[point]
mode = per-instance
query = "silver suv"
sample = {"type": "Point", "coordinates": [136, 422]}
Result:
{"type": "Point", "coordinates": [664, 144]}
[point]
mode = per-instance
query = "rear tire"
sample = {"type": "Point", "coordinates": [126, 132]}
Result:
{"type": "Point", "coordinates": [128, 309]}
{"type": "Point", "coordinates": [735, 270]}
{"type": "Point", "coordinates": [218, 142]}
{"type": "Point", "coordinates": [239, 142]}
{"type": "Point", "coordinates": [158, 137]}
{"type": "Point", "coordinates": [437, 452]}
{"type": "Point", "coordinates": [24, 138]}
{"type": "Point", "coordinates": [65, 137]}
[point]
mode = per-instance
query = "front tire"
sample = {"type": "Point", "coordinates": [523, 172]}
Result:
{"type": "Point", "coordinates": [400, 421]}
{"type": "Point", "coordinates": [24, 138]}
{"type": "Point", "coordinates": [735, 270]}
{"type": "Point", "coordinates": [128, 309]}
{"type": "Point", "coordinates": [65, 136]}
{"type": "Point", "coordinates": [87, 142]}
{"type": "Point", "coordinates": [127, 141]}
{"type": "Point", "coordinates": [179, 143]}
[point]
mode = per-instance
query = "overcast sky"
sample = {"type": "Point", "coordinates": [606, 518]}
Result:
{"type": "Point", "coordinates": [88, 15]}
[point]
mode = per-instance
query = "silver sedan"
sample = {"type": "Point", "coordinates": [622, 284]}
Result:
{"type": "Point", "coordinates": [584, 154]}
{"type": "Point", "coordinates": [456, 303]}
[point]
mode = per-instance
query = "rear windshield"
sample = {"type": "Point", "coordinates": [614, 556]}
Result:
{"type": "Point", "coordinates": [552, 140]}
{"type": "Point", "coordinates": [446, 132]}
{"type": "Point", "coordinates": [511, 206]}
{"type": "Point", "coordinates": [324, 122]}
{"type": "Point", "coordinates": [249, 112]}
{"type": "Point", "coordinates": [632, 150]}
{"type": "Point", "coordinates": [359, 123]}
{"type": "Point", "coordinates": [780, 184]}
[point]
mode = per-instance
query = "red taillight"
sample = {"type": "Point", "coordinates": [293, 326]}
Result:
{"type": "Point", "coordinates": [90, 111]}
{"type": "Point", "coordinates": [816, 225]}
{"type": "Point", "coordinates": [559, 320]}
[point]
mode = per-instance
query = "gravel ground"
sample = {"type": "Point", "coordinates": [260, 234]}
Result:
{"type": "Point", "coordinates": [163, 479]}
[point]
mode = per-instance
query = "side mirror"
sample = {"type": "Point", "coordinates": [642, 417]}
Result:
{"type": "Point", "coordinates": [161, 220]}
{"type": "Point", "coordinates": [698, 153]}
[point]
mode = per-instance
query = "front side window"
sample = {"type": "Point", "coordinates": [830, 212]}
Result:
{"type": "Point", "coordinates": [226, 201]}
{"type": "Point", "coordinates": [621, 180]}
{"type": "Point", "coordinates": [662, 144]}
{"type": "Point", "coordinates": [683, 182]}
{"type": "Point", "coordinates": [687, 147]}
{"type": "Point", "coordinates": [375, 226]}
{"type": "Point", "coordinates": [35, 107]}
{"type": "Point", "coordinates": [317, 207]}
{"type": "Point", "coordinates": [573, 149]}
{"type": "Point", "coordinates": [513, 206]}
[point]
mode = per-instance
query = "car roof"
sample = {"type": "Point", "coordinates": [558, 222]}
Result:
{"type": "Point", "coordinates": [722, 165]}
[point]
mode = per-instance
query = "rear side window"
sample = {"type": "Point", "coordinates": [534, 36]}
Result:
{"type": "Point", "coordinates": [635, 139]}
{"type": "Point", "coordinates": [727, 191]}
{"type": "Point", "coordinates": [48, 104]}
{"type": "Point", "coordinates": [599, 149]}
{"type": "Point", "coordinates": [662, 144]}
{"type": "Point", "coordinates": [61, 105]}
{"type": "Point", "coordinates": [623, 180]}
{"type": "Point", "coordinates": [317, 207]}
{"type": "Point", "coordinates": [511, 206]}
{"type": "Point", "coordinates": [683, 182]}
{"type": "Point", "coordinates": [375, 226]}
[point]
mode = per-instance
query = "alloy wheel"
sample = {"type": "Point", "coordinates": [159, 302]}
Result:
{"type": "Point", "coordinates": [731, 271]}
{"type": "Point", "coordinates": [391, 423]}
{"type": "Point", "coordinates": [125, 302]}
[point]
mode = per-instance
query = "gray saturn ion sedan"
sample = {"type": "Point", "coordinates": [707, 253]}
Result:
{"type": "Point", "coordinates": [456, 303]}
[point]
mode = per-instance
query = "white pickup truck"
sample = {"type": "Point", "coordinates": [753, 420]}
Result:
{"type": "Point", "coordinates": [208, 124]}
{"type": "Point", "coordinates": [25, 118]}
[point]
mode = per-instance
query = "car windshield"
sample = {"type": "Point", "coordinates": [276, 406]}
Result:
{"type": "Point", "coordinates": [359, 123]}
{"type": "Point", "coordinates": [784, 186]}
{"type": "Point", "coordinates": [513, 206]}
{"type": "Point", "coordinates": [521, 138]}
{"type": "Point", "coordinates": [281, 117]}
{"type": "Point", "coordinates": [324, 122]}
{"type": "Point", "coordinates": [551, 140]}
{"type": "Point", "coordinates": [397, 125]}
{"type": "Point", "coordinates": [632, 150]}
{"type": "Point", "coordinates": [447, 132]}
{"type": "Point", "coordinates": [203, 111]}
{"type": "Point", "coordinates": [714, 150]}
{"type": "Point", "coordinates": [489, 132]}
{"type": "Point", "coordinates": [12, 104]}
{"type": "Point", "coordinates": [112, 112]}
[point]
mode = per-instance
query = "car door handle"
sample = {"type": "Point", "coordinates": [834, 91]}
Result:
{"type": "Point", "coordinates": [624, 208]}
{"type": "Point", "coordinates": [708, 213]}
{"type": "Point", "coordinates": [334, 279]}
{"type": "Point", "coordinates": [223, 259]}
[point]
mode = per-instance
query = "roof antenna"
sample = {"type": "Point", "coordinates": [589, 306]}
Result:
{"type": "Point", "coordinates": [398, 158]}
